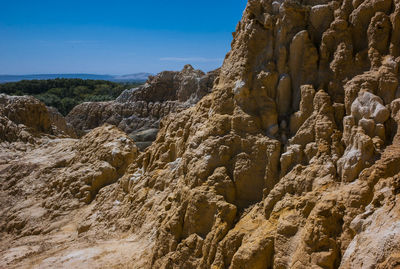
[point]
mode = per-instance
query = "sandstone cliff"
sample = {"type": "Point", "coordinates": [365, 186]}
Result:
{"type": "Point", "coordinates": [292, 161]}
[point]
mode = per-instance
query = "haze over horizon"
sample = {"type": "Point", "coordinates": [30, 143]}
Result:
{"type": "Point", "coordinates": [94, 37]}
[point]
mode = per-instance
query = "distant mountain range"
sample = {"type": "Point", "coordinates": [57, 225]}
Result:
{"type": "Point", "coordinates": [115, 78]}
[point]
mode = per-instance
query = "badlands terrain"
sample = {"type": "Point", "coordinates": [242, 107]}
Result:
{"type": "Point", "coordinates": [286, 157]}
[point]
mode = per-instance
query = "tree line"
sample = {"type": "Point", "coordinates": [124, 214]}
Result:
{"type": "Point", "coordinates": [65, 94]}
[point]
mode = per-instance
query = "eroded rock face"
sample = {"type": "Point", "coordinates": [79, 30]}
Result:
{"type": "Point", "coordinates": [24, 117]}
{"type": "Point", "coordinates": [58, 120]}
{"type": "Point", "coordinates": [301, 111]}
{"type": "Point", "coordinates": [140, 109]}
{"type": "Point", "coordinates": [292, 161]}
{"type": "Point", "coordinates": [59, 176]}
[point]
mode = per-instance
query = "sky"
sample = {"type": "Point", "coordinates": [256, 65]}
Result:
{"type": "Point", "coordinates": [114, 36]}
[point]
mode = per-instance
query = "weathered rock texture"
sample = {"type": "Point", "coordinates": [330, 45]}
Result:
{"type": "Point", "coordinates": [292, 161]}
{"type": "Point", "coordinates": [23, 117]}
{"type": "Point", "coordinates": [46, 187]}
{"type": "Point", "coordinates": [139, 110]}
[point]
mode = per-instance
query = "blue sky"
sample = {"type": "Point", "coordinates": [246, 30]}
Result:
{"type": "Point", "coordinates": [114, 37]}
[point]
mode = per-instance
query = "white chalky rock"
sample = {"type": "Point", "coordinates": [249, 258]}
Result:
{"type": "Point", "coordinates": [369, 106]}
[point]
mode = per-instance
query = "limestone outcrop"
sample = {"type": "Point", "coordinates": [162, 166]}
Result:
{"type": "Point", "coordinates": [291, 161]}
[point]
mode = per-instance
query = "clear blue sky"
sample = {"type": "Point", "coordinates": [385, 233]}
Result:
{"type": "Point", "coordinates": [114, 37]}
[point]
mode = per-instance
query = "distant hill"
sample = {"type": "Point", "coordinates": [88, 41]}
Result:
{"type": "Point", "coordinates": [138, 77]}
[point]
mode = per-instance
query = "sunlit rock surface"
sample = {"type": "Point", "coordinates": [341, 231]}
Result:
{"type": "Point", "coordinates": [292, 160]}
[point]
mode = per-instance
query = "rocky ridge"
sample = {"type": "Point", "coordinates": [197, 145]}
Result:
{"type": "Point", "coordinates": [138, 111]}
{"type": "Point", "coordinates": [292, 161]}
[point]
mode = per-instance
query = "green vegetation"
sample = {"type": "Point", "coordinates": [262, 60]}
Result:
{"type": "Point", "coordinates": [65, 94]}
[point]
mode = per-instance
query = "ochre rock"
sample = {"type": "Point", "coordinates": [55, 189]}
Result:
{"type": "Point", "coordinates": [24, 117]}
{"type": "Point", "coordinates": [291, 161]}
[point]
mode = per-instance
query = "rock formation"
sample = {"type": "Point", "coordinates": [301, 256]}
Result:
{"type": "Point", "coordinates": [23, 117]}
{"type": "Point", "coordinates": [292, 161]}
{"type": "Point", "coordinates": [46, 174]}
{"type": "Point", "coordinates": [138, 111]}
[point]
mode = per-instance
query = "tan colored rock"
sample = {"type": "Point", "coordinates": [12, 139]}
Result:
{"type": "Point", "coordinates": [284, 95]}
{"type": "Point", "coordinates": [24, 118]}
{"type": "Point", "coordinates": [303, 63]}
{"type": "Point", "coordinates": [237, 180]}
{"type": "Point", "coordinates": [321, 16]}
{"type": "Point", "coordinates": [379, 33]}
{"type": "Point", "coordinates": [71, 173]}
{"type": "Point", "coordinates": [26, 110]}
{"type": "Point", "coordinates": [298, 118]}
